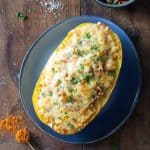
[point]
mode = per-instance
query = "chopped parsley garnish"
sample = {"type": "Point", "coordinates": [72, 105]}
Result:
{"type": "Point", "coordinates": [100, 58]}
{"type": "Point", "coordinates": [93, 96]}
{"type": "Point", "coordinates": [95, 47]}
{"type": "Point", "coordinates": [53, 69]}
{"type": "Point", "coordinates": [59, 81]}
{"type": "Point", "coordinates": [21, 16]}
{"type": "Point", "coordinates": [65, 113]}
{"type": "Point", "coordinates": [44, 94]}
{"type": "Point", "coordinates": [80, 42]}
{"type": "Point", "coordinates": [82, 66]}
{"type": "Point", "coordinates": [73, 119]}
{"type": "Point", "coordinates": [18, 14]}
{"type": "Point", "coordinates": [71, 126]}
{"type": "Point", "coordinates": [59, 118]}
{"type": "Point", "coordinates": [79, 128]}
{"type": "Point", "coordinates": [70, 99]}
{"type": "Point", "coordinates": [75, 80]}
{"type": "Point", "coordinates": [80, 53]}
{"type": "Point", "coordinates": [71, 90]}
{"type": "Point", "coordinates": [111, 73]}
{"type": "Point", "coordinates": [88, 36]}
{"type": "Point", "coordinates": [51, 94]}
{"type": "Point", "coordinates": [55, 103]}
{"type": "Point", "coordinates": [88, 78]}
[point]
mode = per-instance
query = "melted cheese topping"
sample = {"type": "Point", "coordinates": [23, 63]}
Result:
{"type": "Point", "coordinates": [78, 78]}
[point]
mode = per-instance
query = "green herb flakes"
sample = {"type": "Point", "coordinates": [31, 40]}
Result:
{"type": "Point", "coordinates": [71, 90]}
{"type": "Point", "coordinates": [21, 16]}
{"type": "Point", "coordinates": [70, 125]}
{"type": "Point", "coordinates": [79, 129]}
{"type": "Point", "coordinates": [88, 78]}
{"type": "Point", "coordinates": [70, 99]}
{"type": "Point", "coordinates": [95, 47]}
{"type": "Point", "coordinates": [51, 94]}
{"type": "Point", "coordinates": [88, 36]}
{"type": "Point", "coordinates": [80, 42]}
{"type": "Point", "coordinates": [73, 119]}
{"type": "Point", "coordinates": [80, 53]}
{"type": "Point", "coordinates": [18, 14]}
{"type": "Point", "coordinates": [112, 73]}
{"type": "Point", "coordinates": [59, 118]}
{"type": "Point", "coordinates": [43, 94]}
{"type": "Point", "coordinates": [81, 66]}
{"type": "Point", "coordinates": [100, 58]}
{"type": "Point", "coordinates": [75, 80]}
{"type": "Point", "coordinates": [59, 81]}
{"type": "Point", "coordinates": [93, 96]}
{"type": "Point", "coordinates": [53, 69]}
{"type": "Point", "coordinates": [55, 103]}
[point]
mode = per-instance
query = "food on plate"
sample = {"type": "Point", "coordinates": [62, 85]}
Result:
{"type": "Point", "coordinates": [116, 1]}
{"type": "Point", "coordinates": [78, 78]}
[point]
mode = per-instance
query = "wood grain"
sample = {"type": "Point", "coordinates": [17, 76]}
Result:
{"type": "Point", "coordinates": [16, 37]}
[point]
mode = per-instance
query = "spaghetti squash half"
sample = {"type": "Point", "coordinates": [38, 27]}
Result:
{"type": "Point", "coordinates": [78, 78]}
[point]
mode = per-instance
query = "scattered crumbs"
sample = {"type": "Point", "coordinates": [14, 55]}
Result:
{"type": "Point", "coordinates": [14, 124]}
{"type": "Point", "coordinates": [54, 7]}
{"type": "Point", "coordinates": [51, 5]}
{"type": "Point", "coordinates": [22, 136]}
{"type": "Point", "coordinates": [3, 80]}
{"type": "Point", "coordinates": [11, 123]}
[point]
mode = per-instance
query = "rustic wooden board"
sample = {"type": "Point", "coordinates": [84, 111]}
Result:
{"type": "Point", "coordinates": [16, 37]}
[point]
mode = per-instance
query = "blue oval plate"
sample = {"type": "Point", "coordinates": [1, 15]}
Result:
{"type": "Point", "coordinates": [122, 100]}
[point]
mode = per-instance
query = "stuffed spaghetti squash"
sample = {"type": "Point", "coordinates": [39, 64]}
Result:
{"type": "Point", "coordinates": [78, 78]}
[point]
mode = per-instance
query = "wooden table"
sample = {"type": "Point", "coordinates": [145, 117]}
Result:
{"type": "Point", "coordinates": [16, 36]}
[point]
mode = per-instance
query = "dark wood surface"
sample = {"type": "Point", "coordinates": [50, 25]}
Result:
{"type": "Point", "coordinates": [16, 37]}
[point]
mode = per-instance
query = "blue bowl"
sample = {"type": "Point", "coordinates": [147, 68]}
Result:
{"type": "Point", "coordinates": [102, 2]}
{"type": "Point", "coordinates": [123, 98]}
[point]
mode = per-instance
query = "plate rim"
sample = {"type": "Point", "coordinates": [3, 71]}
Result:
{"type": "Point", "coordinates": [135, 98]}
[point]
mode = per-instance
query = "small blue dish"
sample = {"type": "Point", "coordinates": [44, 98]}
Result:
{"type": "Point", "coordinates": [104, 3]}
{"type": "Point", "coordinates": [122, 101]}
